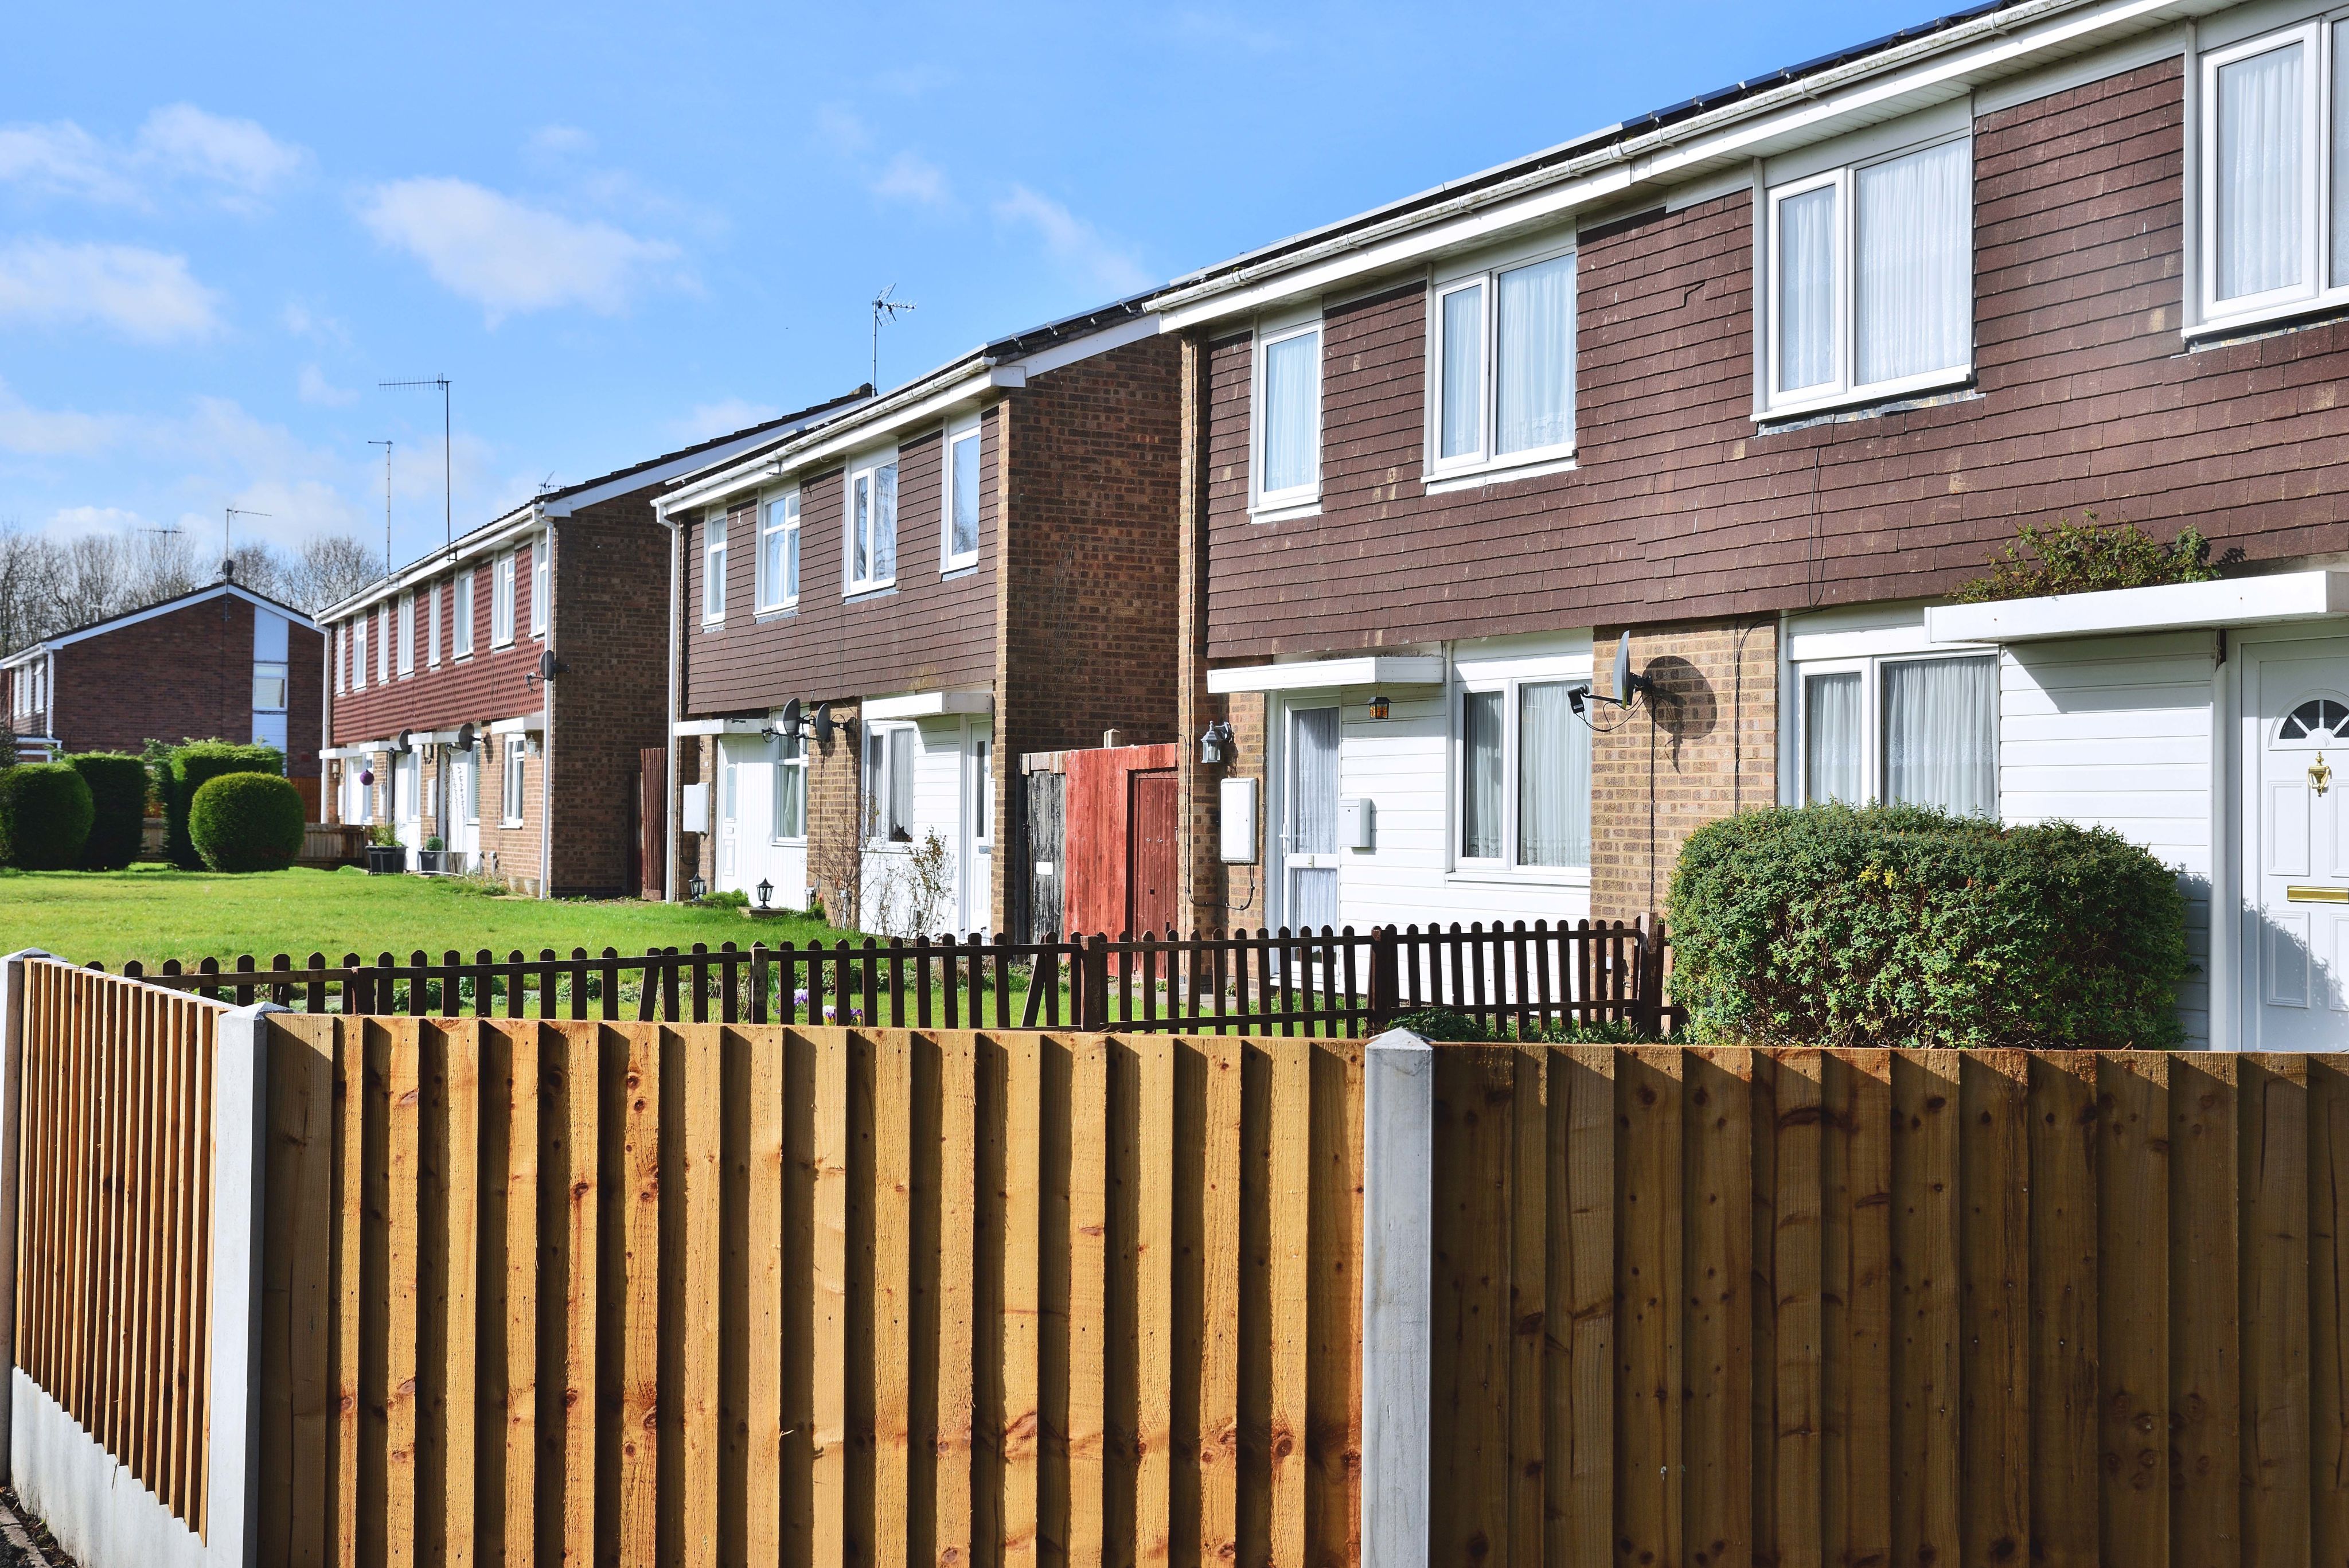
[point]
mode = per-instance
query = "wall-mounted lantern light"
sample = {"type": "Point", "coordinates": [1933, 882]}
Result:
{"type": "Point", "coordinates": [1379, 707]}
{"type": "Point", "coordinates": [696, 887]}
{"type": "Point", "coordinates": [1216, 746]}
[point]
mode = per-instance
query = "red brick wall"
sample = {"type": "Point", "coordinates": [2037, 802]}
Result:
{"type": "Point", "coordinates": [611, 700]}
{"type": "Point", "coordinates": [486, 685]}
{"type": "Point", "coordinates": [1682, 507]}
{"type": "Point", "coordinates": [185, 674]}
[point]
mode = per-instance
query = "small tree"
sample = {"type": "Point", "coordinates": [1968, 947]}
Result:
{"type": "Point", "coordinates": [2068, 558]}
{"type": "Point", "coordinates": [193, 766]}
{"type": "Point", "coordinates": [45, 816]}
{"type": "Point", "coordinates": [247, 821]}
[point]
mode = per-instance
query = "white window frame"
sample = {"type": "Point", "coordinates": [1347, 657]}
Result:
{"type": "Point", "coordinates": [869, 471]}
{"type": "Point", "coordinates": [789, 760]}
{"type": "Point", "coordinates": [779, 518]}
{"type": "Point", "coordinates": [1870, 670]}
{"type": "Point", "coordinates": [460, 617]}
{"type": "Point", "coordinates": [949, 559]}
{"type": "Point", "coordinates": [1506, 866]}
{"type": "Point", "coordinates": [878, 782]}
{"type": "Point", "coordinates": [383, 639]}
{"type": "Point", "coordinates": [405, 625]}
{"type": "Point", "coordinates": [1844, 391]}
{"type": "Point", "coordinates": [1297, 499]}
{"type": "Point", "coordinates": [284, 678]}
{"type": "Point", "coordinates": [714, 542]}
{"type": "Point", "coordinates": [1487, 276]}
{"type": "Point", "coordinates": [502, 601]}
{"type": "Point", "coordinates": [2315, 35]}
{"type": "Point", "coordinates": [513, 783]}
{"type": "Point", "coordinates": [342, 646]}
{"type": "Point", "coordinates": [432, 624]}
{"type": "Point", "coordinates": [468, 768]}
{"type": "Point", "coordinates": [542, 582]}
{"type": "Point", "coordinates": [359, 626]}
{"type": "Point", "coordinates": [980, 749]}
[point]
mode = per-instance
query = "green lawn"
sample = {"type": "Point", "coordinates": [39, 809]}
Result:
{"type": "Point", "coordinates": [151, 913]}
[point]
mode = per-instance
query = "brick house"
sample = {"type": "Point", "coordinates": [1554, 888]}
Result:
{"type": "Point", "coordinates": [978, 564]}
{"type": "Point", "coordinates": [219, 662]}
{"type": "Point", "coordinates": [500, 694]}
{"type": "Point", "coordinates": [1760, 380]}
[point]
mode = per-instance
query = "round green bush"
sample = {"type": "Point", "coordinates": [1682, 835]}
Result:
{"type": "Point", "coordinates": [45, 816]}
{"type": "Point", "coordinates": [1903, 926]}
{"type": "Point", "coordinates": [247, 821]}
{"type": "Point", "coordinates": [117, 791]}
{"type": "Point", "coordinates": [190, 766]}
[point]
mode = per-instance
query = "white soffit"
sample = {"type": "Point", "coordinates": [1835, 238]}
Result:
{"type": "Point", "coordinates": [1311, 674]}
{"type": "Point", "coordinates": [2179, 606]}
{"type": "Point", "coordinates": [928, 704]}
{"type": "Point", "coordinates": [529, 723]}
{"type": "Point", "coordinates": [684, 727]}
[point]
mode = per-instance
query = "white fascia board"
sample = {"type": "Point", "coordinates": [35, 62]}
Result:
{"type": "Point", "coordinates": [528, 724]}
{"type": "Point", "coordinates": [1928, 70]}
{"type": "Point", "coordinates": [928, 704]}
{"type": "Point", "coordinates": [1312, 674]}
{"type": "Point", "coordinates": [685, 728]}
{"type": "Point", "coordinates": [480, 544]}
{"type": "Point", "coordinates": [169, 607]}
{"type": "Point", "coordinates": [346, 753]}
{"type": "Point", "coordinates": [2277, 600]}
{"type": "Point", "coordinates": [25, 655]}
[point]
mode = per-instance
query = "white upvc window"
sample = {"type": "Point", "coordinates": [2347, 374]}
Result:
{"type": "Point", "coordinates": [511, 792]}
{"type": "Point", "coordinates": [502, 601]}
{"type": "Point", "coordinates": [982, 793]}
{"type": "Point", "coordinates": [1901, 730]}
{"type": "Point", "coordinates": [468, 784]}
{"type": "Point", "coordinates": [432, 624]}
{"type": "Point", "coordinates": [1524, 780]}
{"type": "Point", "coordinates": [460, 630]}
{"type": "Point", "coordinates": [1870, 287]}
{"type": "Point", "coordinates": [2273, 219]}
{"type": "Point", "coordinates": [713, 567]}
{"type": "Point", "coordinates": [542, 582]}
{"type": "Point", "coordinates": [341, 655]}
{"type": "Point", "coordinates": [778, 553]}
{"type": "Point", "coordinates": [268, 687]}
{"type": "Point", "coordinates": [787, 822]}
{"type": "Point", "coordinates": [888, 766]}
{"type": "Point", "coordinates": [1286, 441]}
{"type": "Point", "coordinates": [383, 638]}
{"type": "Point", "coordinates": [358, 653]}
{"type": "Point", "coordinates": [407, 613]}
{"type": "Point", "coordinates": [1501, 365]}
{"type": "Point", "coordinates": [871, 514]}
{"type": "Point", "coordinates": [959, 510]}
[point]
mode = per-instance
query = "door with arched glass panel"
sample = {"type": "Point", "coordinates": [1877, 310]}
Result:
{"type": "Point", "coordinates": [2298, 957]}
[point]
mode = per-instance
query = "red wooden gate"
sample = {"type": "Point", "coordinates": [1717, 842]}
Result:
{"type": "Point", "coordinates": [1152, 885]}
{"type": "Point", "coordinates": [652, 822]}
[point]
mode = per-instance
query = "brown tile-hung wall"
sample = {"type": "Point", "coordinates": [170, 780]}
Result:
{"type": "Point", "coordinates": [1681, 510]}
{"type": "Point", "coordinates": [1066, 618]}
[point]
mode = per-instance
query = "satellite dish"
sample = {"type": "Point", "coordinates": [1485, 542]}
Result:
{"type": "Point", "coordinates": [788, 726]}
{"type": "Point", "coordinates": [547, 668]}
{"type": "Point", "coordinates": [1623, 669]}
{"type": "Point", "coordinates": [824, 724]}
{"type": "Point", "coordinates": [407, 743]}
{"type": "Point", "coordinates": [465, 734]}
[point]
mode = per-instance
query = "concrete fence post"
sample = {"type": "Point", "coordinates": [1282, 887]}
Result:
{"type": "Point", "coordinates": [1398, 1289]}
{"type": "Point", "coordinates": [240, 1121]}
{"type": "Point", "coordinates": [12, 1060]}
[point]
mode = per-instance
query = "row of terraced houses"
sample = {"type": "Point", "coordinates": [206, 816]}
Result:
{"type": "Point", "coordinates": [1291, 593]}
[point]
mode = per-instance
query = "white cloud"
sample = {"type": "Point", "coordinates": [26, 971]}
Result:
{"type": "Point", "coordinates": [560, 142]}
{"type": "Point", "coordinates": [304, 322]}
{"type": "Point", "coordinates": [842, 130]}
{"type": "Point", "coordinates": [46, 432]}
{"type": "Point", "coordinates": [147, 296]}
{"type": "Point", "coordinates": [507, 256]}
{"type": "Point", "coordinates": [1074, 243]}
{"type": "Point", "coordinates": [74, 520]}
{"type": "Point", "coordinates": [909, 177]}
{"type": "Point", "coordinates": [233, 161]}
{"type": "Point", "coordinates": [314, 387]}
{"type": "Point", "coordinates": [723, 417]}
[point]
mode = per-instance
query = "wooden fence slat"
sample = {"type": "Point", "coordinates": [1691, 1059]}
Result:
{"type": "Point", "coordinates": [2328, 1307]}
{"type": "Point", "coordinates": [1717, 1348]}
{"type": "Point", "coordinates": [890, 1303]}
{"type": "Point", "coordinates": [573, 1151]}
{"type": "Point", "coordinates": [1289, 1222]}
{"type": "Point", "coordinates": [2273, 1153]}
{"type": "Point", "coordinates": [1017, 1436]}
{"type": "Point", "coordinates": [510, 1221]}
{"type": "Point", "coordinates": [1218, 1443]}
{"type": "Point", "coordinates": [403, 1276]}
{"type": "Point", "coordinates": [1994, 1155]}
{"type": "Point", "coordinates": [1469, 1363]}
{"type": "Point", "coordinates": [1800, 1327]}
{"type": "Point", "coordinates": [956, 1158]}
{"type": "Point", "coordinates": [2205, 1363]}
{"type": "Point", "coordinates": [1154, 1346]}
{"type": "Point", "coordinates": [1926, 1258]}
{"type": "Point", "coordinates": [690, 1250]}
{"type": "Point", "coordinates": [633, 1154]}
{"type": "Point", "coordinates": [1858, 1272]}
{"type": "Point", "coordinates": [1649, 1487]}
{"type": "Point", "coordinates": [1085, 1542]}
{"type": "Point", "coordinates": [2063, 1125]}
{"type": "Point", "coordinates": [1528, 1292]}
{"type": "Point", "coordinates": [828, 1412]}
{"type": "Point", "coordinates": [750, 1425]}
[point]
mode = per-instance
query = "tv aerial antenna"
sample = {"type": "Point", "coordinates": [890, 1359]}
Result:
{"type": "Point", "coordinates": [386, 504]}
{"type": "Point", "coordinates": [229, 515]}
{"type": "Point", "coordinates": [448, 462]}
{"type": "Point", "coordinates": [884, 305]}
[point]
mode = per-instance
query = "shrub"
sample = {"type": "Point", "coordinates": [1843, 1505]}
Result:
{"type": "Point", "coordinates": [247, 821]}
{"type": "Point", "coordinates": [118, 793]}
{"type": "Point", "coordinates": [2080, 558]}
{"type": "Point", "coordinates": [193, 765]}
{"type": "Point", "coordinates": [1905, 925]}
{"type": "Point", "coordinates": [1441, 1025]}
{"type": "Point", "coordinates": [45, 816]}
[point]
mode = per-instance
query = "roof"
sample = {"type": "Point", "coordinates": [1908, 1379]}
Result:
{"type": "Point", "coordinates": [148, 612]}
{"type": "Point", "coordinates": [560, 503]}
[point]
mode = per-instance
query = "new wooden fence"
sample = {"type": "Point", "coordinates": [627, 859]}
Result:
{"type": "Point", "coordinates": [628, 1292]}
{"type": "Point", "coordinates": [1518, 979]}
{"type": "Point", "coordinates": [113, 1269]}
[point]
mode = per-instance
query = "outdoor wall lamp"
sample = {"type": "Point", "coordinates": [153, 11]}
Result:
{"type": "Point", "coordinates": [1216, 745]}
{"type": "Point", "coordinates": [1379, 707]}
{"type": "Point", "coordinates": [696, 887]}
{"type": "Point", "coordinates": [766, 890]}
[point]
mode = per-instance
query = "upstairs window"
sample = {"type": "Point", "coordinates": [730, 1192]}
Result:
{"type": "Point", "coordinates": [962, 497]}
{"type": "Point", "coordinates": [1289, 416]}
{"type": "Point", "coordinates": [268, 688]}
{"type": "Point", "coordinates": [713, 568]}
{"type": "Point", "coordinates": [542, 581]}
{"type": "Point", "coordinates": [432, 625]}
{"type": "Point", "coordinates": [502, 601]}
{"type": "Point", "coordinates": [1870, 292]}
{"type": "Point", "coordinates": [461, 630]}
{"type": "Point", "coordinates": [1502, 341]}
{"type": "Point", "coordinates": [383, 636]}
{"type": "Point", "coordinates": [779, 554]}
{"type": "Point", "coordinates": [2274, 217]}
{"type": "Point", "coordinates": [407, 634]}
{"type": "Point", "coordinates": [872, 527]}
{"type": "Point", "coordinates": [358, 653]}
{"type": "Point", "coordinates": [341, 655]}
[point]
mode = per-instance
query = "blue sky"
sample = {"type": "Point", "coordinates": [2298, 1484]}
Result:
{"type": "Point", "coordinates": [620, 229]}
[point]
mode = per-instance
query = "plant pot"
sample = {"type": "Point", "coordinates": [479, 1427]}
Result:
{"type": "Point", "coordinates": [386, 859]}
{"type": "Point", "coordinates": [432, 862]}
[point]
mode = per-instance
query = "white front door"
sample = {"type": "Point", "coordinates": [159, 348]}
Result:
{"type": "Point", "coordinates": [1309, 837]}
{"type": "Point", "coordinates": [2297, 948]}
{"type": "Point", "coordinates": [729, 815]}
{"type": "Point", "coordinates": [406, 799]}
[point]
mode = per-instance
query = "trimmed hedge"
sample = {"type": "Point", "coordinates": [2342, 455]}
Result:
{"type": "Point", "coordinates": [1905, 925]}
{"type": "Point", "coordinates": [247, 821]}
{"type": "Point", "coordinates": [190, 767]}
{"type": "Point", "coordinates": [45, 816]}
{"type": "Point", "coordinates": [118, 790]}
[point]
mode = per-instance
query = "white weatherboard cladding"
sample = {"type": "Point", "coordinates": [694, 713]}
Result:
{"type": "Point", "coordinates": [757, 856]}
{"type": "Point", "coordinates": [2116, 732]}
